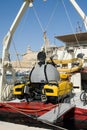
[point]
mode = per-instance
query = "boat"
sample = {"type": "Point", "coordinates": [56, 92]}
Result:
{"type": "Point", "coordinates": [50, 95]}
{"type": "Point", "coordinates": [78, 71]}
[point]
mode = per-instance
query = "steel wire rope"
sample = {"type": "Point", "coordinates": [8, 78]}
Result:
{"type": "Point", "coordinates": [23, 110]}
{"type": "Point", "coordinates": [38, 19]}
{"type": "Point", "coordinates": [70, 24]}
{"type": "Point", "coordinates": [50, 18]}
{"type": "Point", "coordinates": [35, 118]}
{"type": "Point", "coordinates": [52, 15]}
{"type": "Point", "coordinates": [20, 31]}
{"type": "Point", "coordinates": [67, 14]}
{"type": "Point", "coordinates": [17, 55]}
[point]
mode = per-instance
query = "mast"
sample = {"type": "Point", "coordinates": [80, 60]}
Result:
{"type": "Point", "coordinates": [80, 11]}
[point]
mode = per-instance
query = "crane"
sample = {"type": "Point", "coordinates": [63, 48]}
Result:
{"type": "Point", "coordinates": [80, 11]}
{"type": "Point", "coordinates": [5, 63]}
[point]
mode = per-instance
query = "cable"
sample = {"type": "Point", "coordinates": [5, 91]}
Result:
{"type": "Point", "coordinates": [70, 22]}
{"type": "Point", "coordinates": [37, 17]}
{"type": "Point", "coordinates": [52, 14]}
{"type": "Point", "coordinates": [16, 53]}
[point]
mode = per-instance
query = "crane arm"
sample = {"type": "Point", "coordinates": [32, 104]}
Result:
{"type": "Point", "coordinates": [7, 39]}
{"type": "Point", "coordinates": [6, 44]}
{"type": "Point", "coordinates": [80, 11]}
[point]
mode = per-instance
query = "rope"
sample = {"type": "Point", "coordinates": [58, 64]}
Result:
{"type": "Point", "coordinates": [16, 53]}
{"type": "Point", "coordinates": [50, 19]}
{"type": "Point", "coordinates": [20, 31]}
{"type": "Point", "coordinates": [16, 109]}
{"type": "Point", "coordinates": [34, 111]}
{"type": "Point", "coordinates": [35, 118]}
{"type": "Point", "coordinates": [70, 22]}
{"type": "Point", "coordinates": [52, 15]}
{"type": "Point", "coordinates": [37, 17]}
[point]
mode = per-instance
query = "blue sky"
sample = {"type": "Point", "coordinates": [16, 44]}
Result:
{"type": "Point", "coordinates": [29, 31]}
